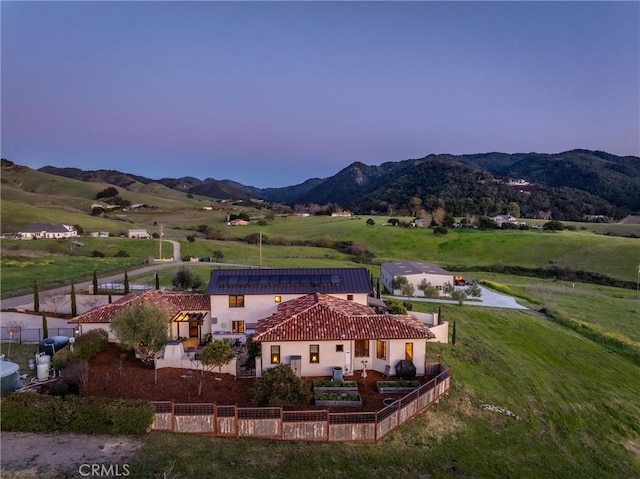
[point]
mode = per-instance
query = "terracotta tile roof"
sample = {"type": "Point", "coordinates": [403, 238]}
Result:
{"type": "Point", "coordinates": [170, 301]}
{"type": "Point", "coordinates": [322, 317]}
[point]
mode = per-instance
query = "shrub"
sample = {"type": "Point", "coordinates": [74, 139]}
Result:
{"type": "Point", "coordinates": [94, 415]}
{"type": "Point", "coordinates": [97, 254]}
{"type": "Point", "coordinates": [121, 254]}
{"type": "Point", "coordinates": [280, 386]}
{"type": "Point", "coordinates": [61, 358]}
{"type": "Point", "coordinates": [90, 343]}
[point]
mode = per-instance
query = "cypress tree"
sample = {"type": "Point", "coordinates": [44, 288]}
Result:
{"type": "Point", "coordinates": [36, 297]}
{"type": "Point", "coordinates": [453, 333]}
{"type": "Point", "coordinates": [45, 326]}
{"type": "Point", "coordinates": [74, 306]}
{"type": "Point", "coordinates": [439, 315]}
{"type": "Point", "coordinates": [109, 298]}
{"type": "Point", "coordinates": [157, 281]}
{"type": "Point", "coordinates": [126, 282]}
{"type": "Point", "coordinates": [95, 282]}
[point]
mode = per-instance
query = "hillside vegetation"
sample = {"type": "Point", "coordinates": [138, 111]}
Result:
{"type": "Point", "coordinates": [542, 393]}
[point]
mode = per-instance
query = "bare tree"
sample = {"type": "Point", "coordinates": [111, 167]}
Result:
{"type": "Point", "coordinates": [55, 300]}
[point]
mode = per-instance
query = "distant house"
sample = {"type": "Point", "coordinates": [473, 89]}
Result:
{"type": "Point", "coordinates": [48, 231]}
{"type": "Point", "coordinates": [506, 219]}
{"type": "Point", "coordinates": [138, 234]}
{"type": "Point", "coordinates": [238, 222]}
{"type": "Point", "coordinates": [415, 272]}
{"type": "Point", "coordinates": [340, 214]}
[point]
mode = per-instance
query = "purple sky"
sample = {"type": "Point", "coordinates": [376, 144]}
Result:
{"type": "Point", "coordinates": [271, 94]}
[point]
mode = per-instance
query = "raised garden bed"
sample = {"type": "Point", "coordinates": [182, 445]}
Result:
{"type": "Point", "coordinates": [397, 386]}
{"type": "Point", "coordinates": [338, 399]}
{"type": "Point", "coordinates": [329, 386]}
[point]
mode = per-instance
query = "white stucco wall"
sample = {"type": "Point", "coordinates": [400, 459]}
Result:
{"type": "Point", "coordinates": [330, 358]}
{"type": "Point", "coordinates": [256, 307]}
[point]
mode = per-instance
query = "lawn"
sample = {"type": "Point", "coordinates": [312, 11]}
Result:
{"type": "Point", "coordinates": [529, 399]}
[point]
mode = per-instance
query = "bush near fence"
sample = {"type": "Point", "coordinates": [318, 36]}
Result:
{"type": "Point", "coordinates": [43, 413]}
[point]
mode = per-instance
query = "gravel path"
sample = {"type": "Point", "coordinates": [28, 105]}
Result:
{"type": "Point", "coordinates": [29, 455]}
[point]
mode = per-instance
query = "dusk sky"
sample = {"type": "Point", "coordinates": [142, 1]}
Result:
{"type": "Point", "coordinates": [273, 93]}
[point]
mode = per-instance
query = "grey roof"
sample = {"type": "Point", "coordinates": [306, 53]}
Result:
{"type": "Point", "coordinates": [40, 227]}
{"type": "Point", "coordinates": [403, 268]}
{"type": "Point", "coordinates": [290, 281]}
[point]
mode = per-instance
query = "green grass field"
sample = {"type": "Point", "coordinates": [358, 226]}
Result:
{"type": "Point", "coordinates": [567, 369]}
{"type": "Point", "coordinates": [574, 403]}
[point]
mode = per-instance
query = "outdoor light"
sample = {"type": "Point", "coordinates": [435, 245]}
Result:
{"type": "Point", "coordinates": [278, 299]}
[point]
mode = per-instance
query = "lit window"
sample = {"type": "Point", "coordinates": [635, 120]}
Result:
{"type": "Point", "coordinates": [408, 351]}
{"type": "Point", "coordinates": [278, 299]}
{"type": "Point", "coordinates": [275, 354]}
{"type": "Point", "coordinates": [237, 326]}
{"type": "Point", "coordinates": [362, 348]}
{"type": "Point", "coordinates": [381, 349]}
{"type": "Point", "coordinates": [314, 353]}
{"type": "Point", "coordinates": [236, 301]}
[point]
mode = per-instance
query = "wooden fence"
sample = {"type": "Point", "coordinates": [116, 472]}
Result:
{"type": "Point", "coordinates": [314, 425]}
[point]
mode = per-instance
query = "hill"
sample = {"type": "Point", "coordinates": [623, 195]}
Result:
{"type": "Point", "coordinates": [569, 186]}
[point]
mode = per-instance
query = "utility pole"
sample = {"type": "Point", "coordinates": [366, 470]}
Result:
{"type": "Point", "coordinates": [161, 234]}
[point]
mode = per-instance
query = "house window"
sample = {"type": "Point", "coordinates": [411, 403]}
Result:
{"type": "Point", "coordinates": [275, 354]}
{"type": "Point", "coordinates": [339, 348]}
{"type": "Point", "coordinates": [349, 297]}
{"type": "Point", "coordinates": [236, 300]}
{"type": "Point", "coordinates": [237, 326]}
{"type": "Point", "coordinates": [362, 348]}
{"type": "Point", "coordinates": [314, 353]}
{"type": "Point", "coordinates": [408, 351]}
{"type": "Point", "coordinates": [381, 349]}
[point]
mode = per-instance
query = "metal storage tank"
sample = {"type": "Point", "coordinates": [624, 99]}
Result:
{"type": "Point", "coordinates": [9, 376]}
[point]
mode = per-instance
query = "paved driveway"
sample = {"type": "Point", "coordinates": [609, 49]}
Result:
{"type": "Point", "coordinates": [489, 299]}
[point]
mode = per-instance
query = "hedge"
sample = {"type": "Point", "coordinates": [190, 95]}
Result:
{"type": "Point", "coordinates": [42, 413]}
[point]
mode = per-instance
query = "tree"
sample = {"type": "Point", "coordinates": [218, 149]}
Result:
{"type": "Point", "coordinates": [45, 326]}
{"type": "Point", "coordinates": [143, 328]}
{"type": "Point", "coordinates": [216, 354]}
{"type": "Point", "coordinates": [459, 295]}
{"type": "Point", "coordinates": [429, 290]}
{"type": "Point", "coordinates": [371, 222]}
{"type": "Point", "coordinates": [453, 333]}
{"type": "Point", "coordinates": [280, 386]}
{"type": "Point", "coordinates": [157, 278]}
{"type": "Point", "coordinates": [398, 282]}
{"type": "Point", "coordinates": [95, 282]}
{"type": "Point", "coordinates": [191, 238]}
{"type": "Point", "coordinates": [74, 306]}
{"type": "Point", "coordinates": [36, 297]}
{"type": "Point", "coordinates": [217, 255]}
{"type": "Point", "coordinates": [126, 282]}
{"type": "Point", "coordinates": [185, 279]}
{"type": "Point", "coordinates": [408, 290]}
{"type": "Point", "coordinates": [415, 204]}
{"type": "Point", "coordinates": [474, 291]}
{"type": "Point", "coordinates": [513, 209]}
{"type": "Point", "coordinates": [395, 307]}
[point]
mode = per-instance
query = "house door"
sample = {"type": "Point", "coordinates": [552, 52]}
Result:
{"type": "Point", "coordinates": [193, 329]}
{"type": "Point", "coordinates": [347, 361]}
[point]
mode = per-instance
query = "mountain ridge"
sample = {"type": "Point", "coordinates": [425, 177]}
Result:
{"type": "Point", "coordinates": [568, 185]}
